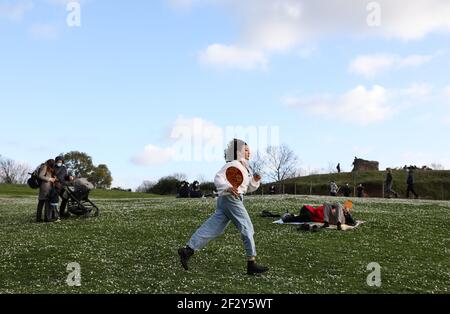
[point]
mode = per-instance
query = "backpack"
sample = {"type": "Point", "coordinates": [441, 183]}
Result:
{"type": "Point", "coordinates": [34, 182]}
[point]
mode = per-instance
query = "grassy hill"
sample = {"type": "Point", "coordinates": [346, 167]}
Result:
{"type": "Point", "coordinates": [429, 184]}
{"type": "Point", "coordinates": [12, 190]}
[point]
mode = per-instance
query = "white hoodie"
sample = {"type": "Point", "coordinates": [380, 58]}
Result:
{"type": "Point", "coordinates": [249, 184]}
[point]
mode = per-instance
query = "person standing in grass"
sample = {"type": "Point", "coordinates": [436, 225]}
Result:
{"type": "Point", "coordinates": [346, 190]}
{"type": "Point", "coordinates": [62, 176]}
{"type": "Point", "coordinates": [230, 208]}
{"type": "Point", "coordinates": [47, 179]}
{"type": "Point", "coordinates": [333, 188]}
{"type": "Point", "coordinates": [389, 182]}
{"type": "Point", "coordinates": [360, 190]}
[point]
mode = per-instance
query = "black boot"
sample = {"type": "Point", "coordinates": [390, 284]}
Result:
{"type": "Point", "coordinates": [325, 224]}
{"type": "Point", "coordinates": [253, 268]}
{"type": "Point", "coordinates": [339, 226]}
{"type": "Point", "coordinates": [185, 254]}
{"type": "Point", "coordinates": [40, 207]}
{"type": "Point", "coordinates": [48, 213]}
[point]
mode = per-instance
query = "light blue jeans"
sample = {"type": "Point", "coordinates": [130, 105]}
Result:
{"type": "Point", "coordinates": [229, 208]}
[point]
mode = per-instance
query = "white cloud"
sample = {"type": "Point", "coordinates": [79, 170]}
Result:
{"type": "Point", "coordinates": [370, 66]}
{"type": "Point", "coordinates": [153, 155]}
{"type": "Point", "coordinates": [15, 11]}
{"type": "Point", "coordinates": [279, 25]}
{"type": "Point", "coordinates": [65, 2]}
{"type": "Point", "coordinates": [414, 60]}
{"type": "Point", "coordinates": [44, 31]}
{"type": "Point", "coordinates": [233, 57]}
{"type": "Point", "coordinates": [361, 105]}
{"type": "Point", "coordinates": [198, 129]}
{"type": "Point", "coordinates": [417, 91]}
{"type": "Point", "coordinates": [192, 139]}
{"type": "Point", "coordinates": [357, 106]}
{"type": "Point", "coordinates": [308, 19]}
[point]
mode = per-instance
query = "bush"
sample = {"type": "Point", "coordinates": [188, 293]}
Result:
{"type": "Point", "coordinates": [208, 187]}
{"type": "Point", "coordinates": [166, 186]}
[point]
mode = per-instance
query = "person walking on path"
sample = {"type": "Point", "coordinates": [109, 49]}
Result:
{"type": "Point", "coordinates": [389, 182]}
{"type": "Point", "coordinates": [410, 184]}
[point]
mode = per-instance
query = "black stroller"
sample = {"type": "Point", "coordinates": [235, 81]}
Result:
{"type": "Point", "coordinates": [78, 202]}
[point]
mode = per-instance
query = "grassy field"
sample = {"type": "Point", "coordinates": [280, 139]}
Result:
{"type": "Point", "coordinates": [131, 248]}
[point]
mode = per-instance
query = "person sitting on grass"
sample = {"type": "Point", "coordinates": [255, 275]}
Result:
{"type": "Point", "coordinates": [338, 214]}
{"type": "Point", "coordinates": [230, 208]}
{"type": "Point", "coordinates": [334, 189]}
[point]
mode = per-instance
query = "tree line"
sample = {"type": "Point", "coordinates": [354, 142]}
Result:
{"type": "Point", "coordinates": [79, 164]}
{"type": "Point", "coordinates": [275, 163]}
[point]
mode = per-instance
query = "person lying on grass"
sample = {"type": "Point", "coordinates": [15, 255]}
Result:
{"type": "Point", "coordinates": [230, 208]}
{"type": "Point", "coordinates": [328, 214]}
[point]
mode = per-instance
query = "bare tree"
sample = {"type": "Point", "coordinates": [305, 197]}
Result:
{"type": "Point", "coordinates": [281, 163]}
{"type": "Point", "coordinates": [201, 178]}
{"type": "Point", "coordinates": [180, 176]}
{"type": "Point", "coordinates": [12, 172]}
{"type": "Point", "coordinates": [145, 187]}
{"type": "Point", "coordinates": [331, 167]}
{"type": "Point", "coordinates": [437, 166]}
{"type": "Point", "coordinates": [258, 164]}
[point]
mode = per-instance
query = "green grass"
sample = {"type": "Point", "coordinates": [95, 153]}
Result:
{"type": "Point", "coordinates": [17, 191]}
{"type": "Point", "coordinates": [131, 248]}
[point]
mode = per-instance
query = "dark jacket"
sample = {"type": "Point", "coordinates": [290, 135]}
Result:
{"type": "Point", "coordinates": [346, 191]}
{"type": "Point", "coordinates": [61, 174]}
{"type": "Point", "coordinates": [389, 178]}
{"type": "Point", "coordinates": [360, 191]}
{"type": "Point", "coordinates": [410, 180]}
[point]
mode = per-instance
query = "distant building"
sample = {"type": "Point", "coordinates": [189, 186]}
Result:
{"type": "Point", "coordinates": [365, 165]}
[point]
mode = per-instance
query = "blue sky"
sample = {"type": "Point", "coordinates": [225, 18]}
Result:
{"type": "Point", "coordinates": [121, 85]}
